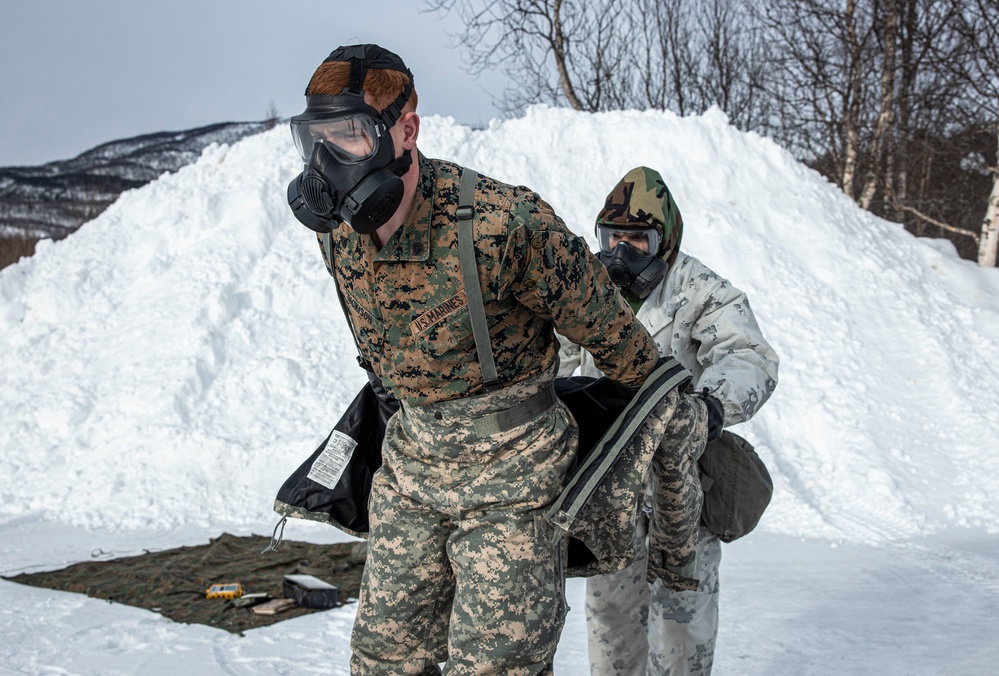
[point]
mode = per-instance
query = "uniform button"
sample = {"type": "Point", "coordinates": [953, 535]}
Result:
{"type": "Point", "coordinates": [529, 284]}
{"type": "Point", "coordinates": [438, 415]}
{"type": "Point", "coordinates": [536, 241]}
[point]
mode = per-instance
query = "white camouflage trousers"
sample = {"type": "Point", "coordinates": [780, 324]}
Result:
{"type": "Point", "coordinates": [636, 628]}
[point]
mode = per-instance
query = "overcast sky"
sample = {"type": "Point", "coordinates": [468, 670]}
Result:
{"type": "Point", "coordinates": [78, 73]}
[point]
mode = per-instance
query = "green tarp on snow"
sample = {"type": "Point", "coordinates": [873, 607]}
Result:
{"type": "Point", "coordinates": [173, 582]}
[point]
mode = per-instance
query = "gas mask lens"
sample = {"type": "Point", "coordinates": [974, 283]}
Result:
{"type": "Point", "coordinates": [351, 139]}
{"type": "Point", "coordinates": [645, 240]}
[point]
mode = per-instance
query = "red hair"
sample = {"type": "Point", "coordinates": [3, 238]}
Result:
{"type": "Point", "coordinates": [382, 85]}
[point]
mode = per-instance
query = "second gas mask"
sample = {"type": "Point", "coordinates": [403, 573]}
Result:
{"type": "Point", "coordinates": [629, 267]}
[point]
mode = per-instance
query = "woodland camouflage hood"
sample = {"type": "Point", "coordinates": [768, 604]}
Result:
{"type": "Point", "coordinates": [641, 200]}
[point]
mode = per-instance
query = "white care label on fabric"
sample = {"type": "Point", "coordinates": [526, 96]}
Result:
{"type": "Point", "coordinates": [329, 466]}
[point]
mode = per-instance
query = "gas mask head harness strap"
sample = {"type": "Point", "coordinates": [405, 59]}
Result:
{"type": "Point", "coordinates": [351, 173]}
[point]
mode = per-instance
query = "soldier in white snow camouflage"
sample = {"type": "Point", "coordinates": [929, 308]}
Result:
{"type": "Point", "coordinates": [698, 317]}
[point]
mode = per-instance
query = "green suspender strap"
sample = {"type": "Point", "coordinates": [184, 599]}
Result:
{"type": "Point", "coordinates": [499, 421]}
{"type": "Point", "coordinates": [470, 279]}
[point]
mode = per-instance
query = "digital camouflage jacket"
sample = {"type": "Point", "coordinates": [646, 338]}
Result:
{"type": "Point", "coordinates": [408, 308]}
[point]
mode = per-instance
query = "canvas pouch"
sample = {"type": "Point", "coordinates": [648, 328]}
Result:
{"type": "Point", "coordinates": [737, 487]}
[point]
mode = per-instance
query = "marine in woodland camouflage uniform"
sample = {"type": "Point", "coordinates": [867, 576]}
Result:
{"type": "Point", "coordinates": [461, 564]}
{"type": "Point", "coordinates": [635, 624]}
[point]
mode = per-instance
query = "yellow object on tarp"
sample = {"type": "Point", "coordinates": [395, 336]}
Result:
{"type": "Point", "coordinates": [227, 590]}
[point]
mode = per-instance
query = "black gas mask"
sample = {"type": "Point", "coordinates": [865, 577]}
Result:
{"type": "Point", "coordinates": [630, 268]}
{"type": "Point", "coordinates": [351, 173]}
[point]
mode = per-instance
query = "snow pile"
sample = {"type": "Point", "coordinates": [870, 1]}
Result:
{"type": "Point", "coordinates": [168, 365]}
{"type": "Point", "coordinates": [172, 361]}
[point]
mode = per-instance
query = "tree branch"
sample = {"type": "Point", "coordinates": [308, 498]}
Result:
{"type": "Point", "coordinates": [919, 214]}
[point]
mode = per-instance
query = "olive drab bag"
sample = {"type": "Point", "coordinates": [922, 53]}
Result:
{"type": "Point", "coordinates": [737, 487]}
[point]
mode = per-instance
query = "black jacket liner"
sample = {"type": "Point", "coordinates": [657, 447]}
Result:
{"type": "Point", "coordinates": [595, 403]}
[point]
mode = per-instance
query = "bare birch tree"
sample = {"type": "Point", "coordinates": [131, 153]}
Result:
{"type": "Point", "coordinates": [887, 98]}
{"type": "Point", "coordinates": [679, 55]}
{"type": "Point", "coordinates": [570, 52]}
{"type": "Point", "coordinates": [930, 111]}
{"type": "Point", "coordinates": [821, 87]}
{"type": "Point", "coordinates": [921, 93]}
{"type": "Point", "coordinates": [977, 23]}
{"type": "Point", "coordinates": [740, 64]}
{"type": "Point", "coordinates": [880, 165]}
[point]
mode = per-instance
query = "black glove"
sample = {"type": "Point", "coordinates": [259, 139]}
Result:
{"type": "Point", "coordinates": [716, 414]}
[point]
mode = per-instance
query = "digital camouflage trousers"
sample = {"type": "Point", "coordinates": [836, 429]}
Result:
{"type": "Point", "coordinates": [461, 564]}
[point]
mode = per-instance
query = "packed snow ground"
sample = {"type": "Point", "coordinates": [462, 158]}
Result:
{"type": "Point", "coordinates": [168, 365]}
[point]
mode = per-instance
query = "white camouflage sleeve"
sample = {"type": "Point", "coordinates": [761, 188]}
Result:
{"type": "Point", "coordinates": [740, 366]}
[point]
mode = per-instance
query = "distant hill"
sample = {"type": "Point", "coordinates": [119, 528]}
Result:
{"type": "Point", "coordinates": [54, 199]}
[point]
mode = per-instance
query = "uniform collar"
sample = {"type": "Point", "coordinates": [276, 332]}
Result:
{"type": "Point", "coordinates": [411, 241]}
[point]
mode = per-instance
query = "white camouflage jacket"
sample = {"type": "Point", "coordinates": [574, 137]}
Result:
{"type": "Point", "coordinates": [698, 317]}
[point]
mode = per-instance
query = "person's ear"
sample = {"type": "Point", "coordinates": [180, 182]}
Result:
{"type": "Point", "coordinates": [410, 123]}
